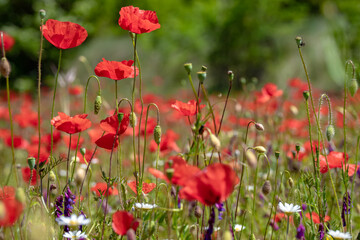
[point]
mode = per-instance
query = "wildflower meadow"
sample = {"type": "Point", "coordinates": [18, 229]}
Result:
{"type": "Point", "coordinates": [257, 162]}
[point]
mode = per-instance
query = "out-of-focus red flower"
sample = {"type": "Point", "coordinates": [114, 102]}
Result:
{"type": "Point", "coordinates": [122, 221]}
{"type": "Point", "coordinates": [71, 125]}
{"type": "Point", "coordinates": [74, 141]}
{"type": "Point", "coordinates": [138, 21]}
{"type": "Point", "coordinates": [352, 168]}
{"type": "Point", "coordinates": [212, 185]}
{"type": "Point", "coordinates": [110, 125]}
{"type": "Point", "coordinates": [64, 35]}
{"type": "Point", "coordinates": [26, 175]}
{"type": "Point", "coordinates": [32, 150]}
{"type": "Point", "coordinates": [268, 92]}
{"type": "Point", "coordinates": [76, 90]}
{"type": "Point", "coordinates": [8, 41]}
{"type": "Point", "coordinates": [19, 142]}
{"type": "Point", "coordinates": [316, 218]}
{"type": "Point", "coordinates": [146, 187]}
{"type": "Point", "coordinates": [115, 70]}
{"type": "Point", "coordinates": [335, 160]}
{"type": "Point", "coordinates": [13, 210]}
{"type": "Point", "coordinates": [27, 117]}
{"type": "Point", "coordinates": [7, 192]}
{"type": "Point", "coordinates": [187, 109]}
{"type": "Point", "coordinates": [100, 190]}
{"type": "Point", "coordinates": [167, 144]}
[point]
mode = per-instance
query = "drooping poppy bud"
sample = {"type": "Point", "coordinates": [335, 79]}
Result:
{"type": "Point", "coordinates": [353, 87]}
{"type": "Point", "coordinates": [157, 134]}
{"type": "Point", "coordinates": [42, 13]}
{"type": "Point", "coordinates": [231, 76]}
{"type": "Point", "coordinates": [5, 67]}
{"type": "Point", "coordinates": [215, 142]}
{"type": "Point", "coordinates": [97, 104]}
{"type": "Point", "coordinates": [52, 176]}
{"type": "Point", "coordinates": [266, 188]}
{"type": "Point", "coordinates": [330, 132]}
{"type": "Point", "coordinates": [306, 95]}
{"type": "Point", "coordinates": [260, 149]}
{"type": "Point", "coordinates": [259, 127]}
{"type": "Point", "coordinates": [133, 119]}
{"type": "Point", "coordinates": [297, 219]}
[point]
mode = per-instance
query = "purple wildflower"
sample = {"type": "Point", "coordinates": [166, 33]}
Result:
{"type": "Point", "coordinates": [345, 207]}
{"type": "Point", "coordinates": [300, 232]}
{"type": "Point", "coordinates": [210, 229]}
{"type": "Point", "coordinates": [221, 209]}
{"type": "Point", "coordinates": [68, 205]}
{"type": "Point", "coordinates": [321, 231]}
{"type": "Point", "coordinates": [59, 206]}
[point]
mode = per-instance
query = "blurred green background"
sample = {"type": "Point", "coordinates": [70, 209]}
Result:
{"type": "Point", "coordinates": [254, 38]}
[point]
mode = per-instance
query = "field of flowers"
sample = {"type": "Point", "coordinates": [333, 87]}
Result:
{"type": "Point", "coordinates": [260, 163]}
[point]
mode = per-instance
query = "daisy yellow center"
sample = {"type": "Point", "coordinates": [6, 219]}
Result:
{"type": "Point", "coordinates": [73, 223]}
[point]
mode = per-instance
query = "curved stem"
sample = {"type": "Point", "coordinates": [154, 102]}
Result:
{"type": "Point", "coordinates": [86, 88]}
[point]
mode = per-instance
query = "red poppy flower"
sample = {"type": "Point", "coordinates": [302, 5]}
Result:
{"type": "Point", "coordinates": [110, 126]}
{"type": "Point", "coordinates": [187, 109]}
{"type": "Point", "coordinates": [212, 185]}
{"type": "Point", "coordinates": [335, 160]}
{"type": "Point", "coordinates": [100, 189]}
{"type": "Point", "coordinates": [146, 187]}
{"type": "Point", "coordinates": [8, 41]}
{"type": "Point", "coordinates": [268, 92]}
{"type": "Point", "coordinates": [71, 125]}
{"type": "Point", "coordinates": [115, 70]}
{"type": "Point", "coordinates": [19, 142]}
{"type": "Point", "coordinates": [122, 221]}
{"type": "Point", "coordinates": [64, 35]}
{"type": "Point", "coordinates": [7, 192]}
{"type": "Point", "coordinates": [13, 210]}
{"type": "Point", "coordinates": [138, 21]}
{"type": "Point", "coordinates": [26, 176]}
{"type": "Point", "coordinates": [316, 218]}
{"type": "Point", "coordinates": [352, 168]}
{"type": "Point", "coordinates": [27, 117]}
{"type": "Point", "coordinates": [75, 90]}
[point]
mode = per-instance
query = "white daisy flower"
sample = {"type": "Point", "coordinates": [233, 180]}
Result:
{"type": "Point", "coordinates": [238, 227]}
{"type": "Point", "coordinates": [339, 235]}
{"type": "Point", "coordinates": [74, 235]}
{"type": "Point", "coordinates": [288, 209]}
{"type": "Point", "coordinates": [145, 206]}
{"type": "Point", "coordinates": [73, 220]}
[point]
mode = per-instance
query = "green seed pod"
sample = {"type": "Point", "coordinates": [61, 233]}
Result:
{"type": "Point", "coordinates": [20, 195]}
{"type": "Point", "coordinates": [157, 134]}
{"type": "Point", "coordinates": [97, 104]}
{"type": "Point", "coordinates": [266, 188]}
{"type": "Point", "coordinates": [42, 13]}
{"type": "Point", "coordinates": [188, 67]}
{"type": "Point", "coordinates": [306, 95]}
{"type": "Point", "coordinates": [297, 219]}
{"type": "Point", "coordinates": [5, 67]}
{"type": "Point", "coordinates": [299, 41]}
{"type": "Point", "coordinates": [133, 119]}
{"type": "Point", "coordinates": [83, 151]}
{"type": "Point", "coordinates": [277, 154]}
{"type": "Point", "coordinates": [120, 116]}
{"type": "Point", "coordinates": [52, 176]}
{"type": "Point", "coordinates": [330, 132]}
{"type": "Point", "coordinates": [231, 76]}
{"type": "Point", "coordinates": [203, 68]}
{"type": "Point", "coordinates": [353, 87]}
{"type": "Point", "coordinates": [31, 162]}
{"type": "Point", "coordinates": [260, 149]}
{"type": "Point", "coordinates": [297, 148]}
{"type": "Point", "coordinates": [201, 76]}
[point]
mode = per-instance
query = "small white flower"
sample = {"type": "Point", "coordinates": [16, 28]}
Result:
{"type": "Point", "coordinates": [289, 208]}
{"type": "Point", "coordinates": [238, 228]}
{"type": "Point", "coordinates": [145, 206]}
{"type": "Point", "coordinates": [74, 235]}
{"type": "Point", "coordinates": [339, 235]}
{"type": "Point", "coordinates": [73, 221]}
{"type": "Point", "coordinates": [250, 188]}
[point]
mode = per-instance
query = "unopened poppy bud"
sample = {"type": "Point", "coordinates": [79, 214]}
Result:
{"type": "Point", "coordinates": [130, 234]}
{"type": "Point", "coordinates": [157, 134]}
{"type": "Point", "coordinates": [79, 176]}
{"type": "Point", "coordinates": [133, 119]}
{"type": "Point", "coordinates": [215, 142]}
{"type": "Point", "coordinates": [198, 212]}
{"type": "Point", "coordinates": [306, 95]}
{"type": "Point", "coordinates": [31, 162]}
{"type": "Point", "coordinates": [97, 104]}
{"type": "Point", "coordinates": [20, 195]}
{"type": "Point", "coordinates": [231, 76]}
{"type": "Point", "coordinates": [42, 13]}
{"type": "Point", "coordinates": [188, 67]}
{"type": "Point", "coordinates": [83, 151]}
{"type": "Point", "coordinates": [291, 182]}
{"type": "Point", "coordinates": [266, 188]}
{"type": "Point", "coordinates": [5, 67]}
{"type": "Point", "coordinates": [252, 237]}
{"type": "Point", "coordinates": [203, 68]}
{"type": "Point", "coordinates": [52, 176]}
{"type": "Point", "coordinates": [299, 41]}
{"type": "Point", "coordinates": [259, 127]}
{"type": "Point", "coordinates": [227, 235]}
{"type": "Point", "coordinates": [120, 116]}
{"type": "Point", "coordinates": [2, 210]}
{"type": "Point", "coordinates": [330, 132]}
{"type": "Point", "coordinates": [277, 154]}
{"type": "Point", "coordinates": [251, 158]}
{"type": "Point", "coordinates": [201, 76]}
{"type": "Point", "coordinates": [260, 149]}
{"type": "Point", "coordinates": [297, 148]}
{"type": "Point", "coordinates": [297, 219]}
{"type": "Point", "coordinates": [353, 86]}
{"type": "Point", "coordinates": [169, 173]}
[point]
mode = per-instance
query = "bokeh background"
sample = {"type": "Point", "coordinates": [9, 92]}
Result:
{"type": "Point", "coordinates": [254, 38]}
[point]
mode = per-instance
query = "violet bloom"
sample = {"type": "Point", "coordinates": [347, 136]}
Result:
{"type": "Point", "coordinates": [68, 205]}
{"type": "Point", "coordinates": [321, 231]}
{"type": "Point", "coordinates": [221, 209]}
{"type": "Point", "coordinates": [210, 229]}
{"type": "Point", "coordinates": [345, 207]}
{"type": "Point", "coordinates": [59, 206]}
{"type": "Point", "coordinates": [300, 232]}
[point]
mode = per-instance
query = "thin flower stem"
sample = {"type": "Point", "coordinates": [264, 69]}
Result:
{"type": "Point", "coordinates": [39, 89]}
{"type": "Point", "coordinates": [352, 184]}
{"type": "Point", "coordinates": [210, 107]}
{"type": "Point", "coordinates": [254, 195]}
{"type": "Point", "coordinates": [242, 169]}
{"type": "Point", "coordinates": [318, 129]}
{"type": "Point", "coordinates": [68, 161]}
{"type": "Point", "coordinates": [287, 227]}
{"type": "Point", "coordinates": [223, 113]}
